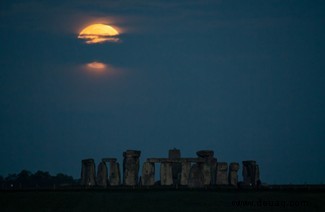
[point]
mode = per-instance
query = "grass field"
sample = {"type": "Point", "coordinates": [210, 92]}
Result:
{"type": "Point", "coordinates": [152, 200]}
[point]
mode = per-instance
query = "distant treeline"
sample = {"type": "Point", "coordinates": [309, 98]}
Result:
{"type": "Point", "coordinates": [40, 179]}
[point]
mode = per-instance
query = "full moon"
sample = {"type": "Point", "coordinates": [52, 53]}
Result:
{"type": "Point", "coordinates": [99, 33]}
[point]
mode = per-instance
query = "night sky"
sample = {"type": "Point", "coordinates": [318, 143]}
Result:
{"type": "Point", "coordinates": [243, 78]}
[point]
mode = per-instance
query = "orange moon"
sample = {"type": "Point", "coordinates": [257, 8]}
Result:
{"type": "Point", "coordinates": [99, 33]}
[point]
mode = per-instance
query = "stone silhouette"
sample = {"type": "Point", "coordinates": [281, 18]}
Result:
{"type": "Point", "coordinates": [176, 167]}
{"type": "Point", "coordinates": [88, 172]}
{"type": "Point", "coordinates": [131, 167]}
{"type": "Point", "coordinates": [102, 174]}
{"type": "Point", "coordinates": [209, 167]}
{"type": "Point", "coordinates": [185, 174]}
{"type": "Point", "coordinates": [114, 173]}
{"type": "Point", "coordinates": [175, 170]}
{"type": "Point", "coordinates": [148, 174]}
{"type": "Point", "coordinates": [202, 171]}
{"type": "Point", "coordinates": [222, 173]}
{"type": "Point", "coordinates": [196, 179]}
{"type": "Point", "coordinates": [251, 173]}
{"type": "Point", "coordinates": [233, 175]}
{"type": "Point", "coordinates": [166, 173]}
{"type": "Point", "coordinates": [114, 176]}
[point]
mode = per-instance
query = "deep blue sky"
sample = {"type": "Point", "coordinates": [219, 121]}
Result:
{"type": "Point", "coordinates": [243, 78]}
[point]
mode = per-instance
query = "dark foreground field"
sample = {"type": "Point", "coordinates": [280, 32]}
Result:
{"type": "Point", "coordinates": [158, 200]}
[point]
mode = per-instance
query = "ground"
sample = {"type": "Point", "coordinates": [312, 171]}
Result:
{"type": "Point", "coordinates": [161, 200]}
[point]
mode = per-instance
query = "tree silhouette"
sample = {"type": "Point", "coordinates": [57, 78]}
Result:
{"type": "Point", "coordinates": [26, 179]}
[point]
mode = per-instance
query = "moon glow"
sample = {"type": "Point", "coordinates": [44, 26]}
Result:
{"type": "Point", "coordinates": [96, 66]}
{"type": "Point", "coordinates": [99, 33]}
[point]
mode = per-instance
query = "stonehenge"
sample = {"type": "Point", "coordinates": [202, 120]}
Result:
{"type": "Point", "coordinates": [193, 172]}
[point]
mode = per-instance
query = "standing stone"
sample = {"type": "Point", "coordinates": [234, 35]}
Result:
{"type": "Point", "coordinates": [211, 163]}
{"type": "Point", "coordinates": [233, 175]}
{"type": "Point", "coordinates": [88, 172]}
{"type": "Point", "coordinates": [206, 171]}
{"type": "Point", "coordinates": [222, 173]}
{"type": "Point", "coordinates": [131, 167]}
{"type": "Point", "coordinates": [250, 172]}
{"type": "Point", "coordinates": [114, 173]}
{"type": "Point", "coordinates": [196, 178]}
{"type": "Point", "coordinates": [102, 174]}
{"type": "Point", "coordinates": [166, 173]}
{"type": "Point", "coordinates": [185, 174]}
{"type": "Point", "coordinates": [176, 167]}
{"type": "Point", "coordinates": [148, 174]}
